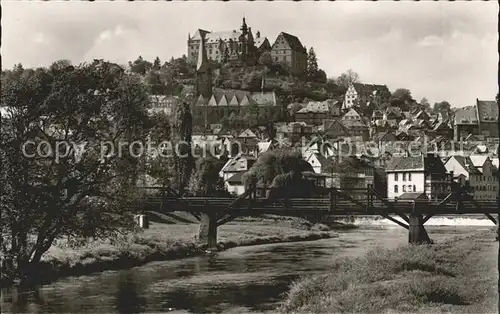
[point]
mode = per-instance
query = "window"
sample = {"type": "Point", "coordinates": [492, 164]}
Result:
{"type": "Point", "coordinates": [414, 189]}
{"type": "Point", "coordinates": [409, 176]}
{"type": "Point", "coordinates": [404, 176]}
{"type": "Point", "coordinates": [395, 189]}
{"type": "Point", "coordinates": [395, 177]}
{"type": "Point", "coordinates": [404, 188]}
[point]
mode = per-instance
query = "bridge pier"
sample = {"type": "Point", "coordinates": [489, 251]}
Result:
{"type": "Point", "coordinates": [417, 232]}
{"type": "Point", "coordinates": [208, 230]}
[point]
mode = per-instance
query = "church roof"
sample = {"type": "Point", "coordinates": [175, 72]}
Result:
{"type": "Point", "coordinates": [261, 99]}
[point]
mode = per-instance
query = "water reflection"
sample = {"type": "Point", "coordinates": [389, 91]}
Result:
{"type": "Point", "coordinates": [252, 278]}
{"type": "Point", "coordinates": [128, 299]}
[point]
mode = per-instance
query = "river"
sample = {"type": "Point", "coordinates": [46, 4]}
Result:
{"type": "Point", "coordinates": [242, 279]}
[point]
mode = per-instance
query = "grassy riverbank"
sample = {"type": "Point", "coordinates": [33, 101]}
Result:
{"type": "Point", "coordinates": [458, 276]}
{"type": "Point", "coordinates": [170, 241]}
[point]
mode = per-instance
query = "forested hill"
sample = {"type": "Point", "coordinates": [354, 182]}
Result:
{"type": "Point", "coordinates": [169, 78]}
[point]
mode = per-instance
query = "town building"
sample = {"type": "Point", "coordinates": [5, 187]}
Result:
{"type": "Point", "coordinates": [481, 119]}
{"type": "Point", "coordinates": [315, 112]}
{"type": "Point", "coordinates": [362, 95]}
{"type": "Point", "coordinates": [234, 185]}
{"type": "Point", "coordinates": [289, 50]}
{"type": "Point", "coordinates": [357, 129]}
{"type": "Point", "coordinates": [481, 183]}
{"type": "Point", "coordinates": [422, 115]}
{"type": "Point", "coordinates": [334, 129]}
{"type": "Point", "coordinates": [424, 173]}
{"type": "Point", "coordinates": [238, 164]}
{"type": "Point", "coordinates": [318, 162]}
{"type": "Point", "coordinates": [162, 103]}
{"type": "Point", "coordinates": [352, 114]}
{"type": "Point", "coordinates": [261, 43]}
{"type": "Point", "coordinates": [294, 131]}
{"type": "Point", "coordinates": [355, 173]}
{"type": "Point", "coordinates": [487, 112]}
{"type": "Point", "coordinates": [465, 123]}
{"type": "Point", "coordinates": [442, 128]}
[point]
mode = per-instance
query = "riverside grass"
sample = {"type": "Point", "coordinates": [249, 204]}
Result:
{"type": "Point", "coordinates": [170, 241]}
{"type": "Point", "coordinates": [425, 279]}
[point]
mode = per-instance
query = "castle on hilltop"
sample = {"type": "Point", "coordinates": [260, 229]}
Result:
{"type": "Point", "coordinates": [212, 105]}
{"type": "Point", "coordinates": [228, 45]}
{"type": "Point", "coordinates": [242, 47]}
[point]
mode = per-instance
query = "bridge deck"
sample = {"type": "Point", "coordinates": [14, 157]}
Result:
{"type": "Point", "coordinates": [320, 205]}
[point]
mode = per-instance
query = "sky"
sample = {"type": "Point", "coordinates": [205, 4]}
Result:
{"type": "Point", "coordinates": [438, 50]}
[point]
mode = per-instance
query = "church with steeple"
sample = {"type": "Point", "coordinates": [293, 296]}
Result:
{"type": "Point", "coordinates": [228, 46]}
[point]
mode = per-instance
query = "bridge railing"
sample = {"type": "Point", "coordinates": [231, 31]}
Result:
{"type": "Point", "coordinates": [331, 199]}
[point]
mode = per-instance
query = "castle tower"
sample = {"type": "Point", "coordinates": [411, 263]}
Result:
{"type": "Point", "coordinates": [203, 78]}
{"type": "Point", "coordinates": [203, 72]}
{"type": "Point", "coordinates": [244, 28]}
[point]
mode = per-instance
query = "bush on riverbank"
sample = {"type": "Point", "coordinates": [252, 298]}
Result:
{"type": "Point", "coordinates": [403, 280]}
{"type": "Point", "coordinates": [160, 242]}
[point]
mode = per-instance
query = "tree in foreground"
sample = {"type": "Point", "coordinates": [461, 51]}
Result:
{"type": "Point", "coordinates": [183, 155]}
{"type": "Point", "coordinates": [83, 192]}
{"type": "Point", "coordinates": [205, 180]}
{"type": "Point", "coordinates": [160, 163]}
{"type": "Point", "coordinates": [271, 167]}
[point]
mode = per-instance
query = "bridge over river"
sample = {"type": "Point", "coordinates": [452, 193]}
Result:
{"type": "Point", "coordinates": [214, 211]}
